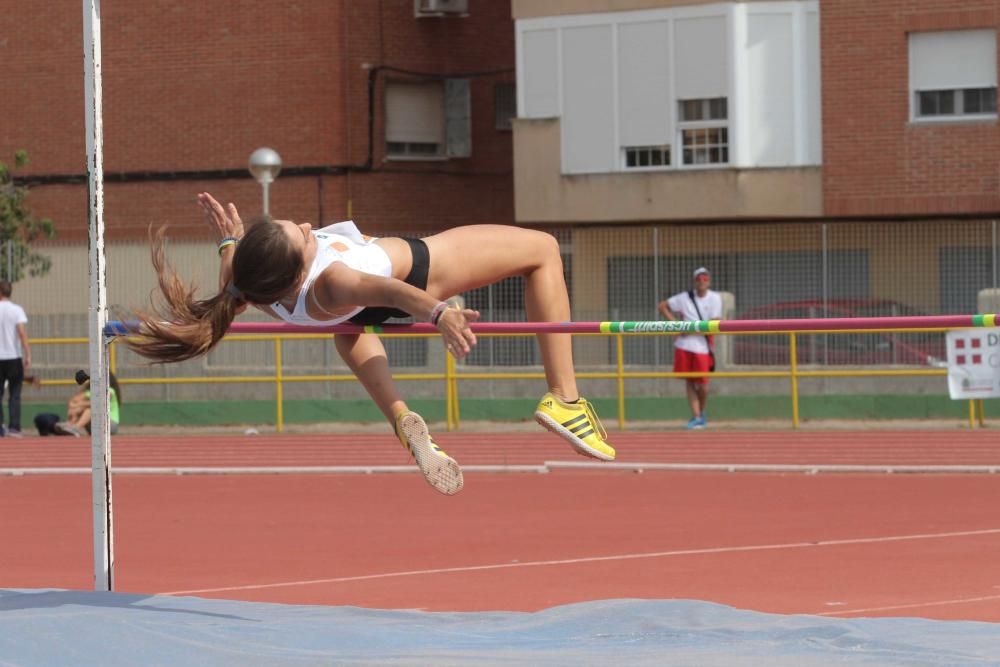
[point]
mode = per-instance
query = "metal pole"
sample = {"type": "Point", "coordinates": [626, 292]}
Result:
{"type": "Point", "coordinates": [279, 386]}
{"type": "Point", "coordinates": [656, 289]}
{"type": "Point", "coordinates": [993, 299]}
{"type": "Point", "coordinates": [620, 371]}
{"type": "Point", "coordinates": [825, 279]}
{"type": "Point", "coordinates": [100, 439]}
{"type": "Point", "coordinates": [794, 374]}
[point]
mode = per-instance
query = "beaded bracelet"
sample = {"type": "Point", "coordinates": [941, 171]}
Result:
{"type": "Point", "coordinates": [438, 312]}
{"type": "Point", "coordinates": [226, 242]}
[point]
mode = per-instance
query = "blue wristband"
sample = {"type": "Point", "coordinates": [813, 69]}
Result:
{"type": "Point", "coordinates": [226, 242]}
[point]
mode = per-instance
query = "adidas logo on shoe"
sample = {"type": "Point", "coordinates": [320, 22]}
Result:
{"type": "Point", "coordinates": [578, 424]}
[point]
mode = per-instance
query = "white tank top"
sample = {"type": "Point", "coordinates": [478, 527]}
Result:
{"type": "Point", "coordinates": [340, 242]}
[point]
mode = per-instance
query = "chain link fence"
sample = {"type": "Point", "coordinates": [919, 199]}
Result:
{"type": "Point", "coordinates": [765, 271]}
{"type": "Point", "coordinates": [13, 256]}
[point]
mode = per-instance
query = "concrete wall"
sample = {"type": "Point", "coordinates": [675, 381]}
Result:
{"type": "Point", "coordinates": [544, 195]}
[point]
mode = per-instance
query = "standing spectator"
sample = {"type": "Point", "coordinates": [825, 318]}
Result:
{"type": "Point", "coordinates": [694, 353]}
{"type": "Point", "coordinates": [15, 358]}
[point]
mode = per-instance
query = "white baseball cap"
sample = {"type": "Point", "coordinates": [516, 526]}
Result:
{"type": "Point", "coordinates": [700, 270]}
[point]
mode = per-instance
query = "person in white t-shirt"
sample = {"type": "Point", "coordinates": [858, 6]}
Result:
{"type": "Point", "coordinates": [15, 358]}
{"type": "Point", "coordinates": [693, 353]}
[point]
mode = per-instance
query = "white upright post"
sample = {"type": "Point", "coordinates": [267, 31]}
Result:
{"type": "Point", "coordinates": [100, 441]}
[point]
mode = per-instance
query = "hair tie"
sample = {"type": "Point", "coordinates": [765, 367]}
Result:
{"type": "Point", "coordinates": [234, 291]}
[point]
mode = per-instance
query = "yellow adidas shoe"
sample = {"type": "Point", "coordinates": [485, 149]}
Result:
{"type": "Point", "coordinates": [577, 423]}
{"type": "Point", "coordinates": [440, 470]}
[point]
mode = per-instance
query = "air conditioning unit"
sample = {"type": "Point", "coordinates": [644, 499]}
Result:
{"type": "Point", "coordinates": [441, 7]}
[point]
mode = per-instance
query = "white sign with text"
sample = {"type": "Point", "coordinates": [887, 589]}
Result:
{"type": "Point", "coordinates": [973, 363]}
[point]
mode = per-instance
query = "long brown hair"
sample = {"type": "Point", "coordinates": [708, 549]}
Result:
{"type": "Point", "coordinates": [265, 267]}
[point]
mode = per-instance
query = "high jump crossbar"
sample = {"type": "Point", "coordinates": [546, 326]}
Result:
{"type": "Point", "coordinates": [930, 322]}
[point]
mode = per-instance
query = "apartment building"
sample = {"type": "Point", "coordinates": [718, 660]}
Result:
{"type": "Point", "coordinates": [809, 151]}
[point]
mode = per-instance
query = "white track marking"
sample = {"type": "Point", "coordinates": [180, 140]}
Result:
{"type": "Point", "coordinates": [915, 605]}
{"type": "Point", "coordinates": [600, 559]}
{"type": "Point", "coordinates": [547, 466]}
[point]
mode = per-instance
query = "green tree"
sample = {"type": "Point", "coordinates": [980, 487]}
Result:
{"type": "Point", "coordinates": [19, 228]}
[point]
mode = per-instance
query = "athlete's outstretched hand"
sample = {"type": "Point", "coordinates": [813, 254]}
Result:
{"type": "Point", "coordinates": [224, 222]}
{"type": "Point", "coordinates": [454, 327]}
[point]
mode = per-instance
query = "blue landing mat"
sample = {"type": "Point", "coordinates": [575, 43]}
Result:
{"type": "Point", "coordinates": [55, 628]}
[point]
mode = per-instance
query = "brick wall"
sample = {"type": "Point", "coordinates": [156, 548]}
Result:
{"type": "Point", "coordinates": [875, 161]}
{"type": "Point", "coordinates": [401, 195]}
{"type": "Point", "coordinates": [191, 86]}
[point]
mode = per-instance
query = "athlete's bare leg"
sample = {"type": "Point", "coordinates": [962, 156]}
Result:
{"type": "Point", "coordinates": [365, 356]}
{"type": "Point", "coordinates": [464, 258]}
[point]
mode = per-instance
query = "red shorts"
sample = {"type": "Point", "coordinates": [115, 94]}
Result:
{"type": "Point", "coordinates": [692, 362]}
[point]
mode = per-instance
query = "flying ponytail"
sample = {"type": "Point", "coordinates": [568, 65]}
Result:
{"type": "Point", "coordinates": [265, 267]}
{"type": "Point", "coordinates": [182, 327]}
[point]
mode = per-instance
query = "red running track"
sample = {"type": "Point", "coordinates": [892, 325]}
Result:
{"type": "Point", "coordinates": [836, 544]}
{"type": "Point", "coordinates": [904, 447]}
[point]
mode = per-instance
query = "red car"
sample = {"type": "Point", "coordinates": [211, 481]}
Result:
{"type": "Point", "coordinates": [839, 349]}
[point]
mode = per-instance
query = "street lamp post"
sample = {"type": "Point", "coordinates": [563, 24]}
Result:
{"type": "Point", "coordinates": [265, 165]}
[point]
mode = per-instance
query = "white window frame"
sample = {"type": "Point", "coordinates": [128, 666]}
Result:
{"type": "Point", "coordinates": [455, 134]}
{"type": "Point", "coordinates": [704, 124]}
{"type": "Point", "coordinates": [958, 116]}
{"type": "Point", "coordinates": [655, 167]}
{"type": "Point", "coordinates": [958, 89]}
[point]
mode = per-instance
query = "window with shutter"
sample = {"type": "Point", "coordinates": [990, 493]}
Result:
{"type": "Point", "coordinates": [428, 120]}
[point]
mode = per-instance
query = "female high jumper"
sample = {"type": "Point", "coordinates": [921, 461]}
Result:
{"type": "Point", "coordinates": [336, 275]}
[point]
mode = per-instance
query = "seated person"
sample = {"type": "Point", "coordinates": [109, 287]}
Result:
{"type": "Point", "coordinates": [78, 410]}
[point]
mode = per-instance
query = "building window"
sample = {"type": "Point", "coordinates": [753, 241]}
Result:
{"type": "Point", "coordinates": [953, 74]}
{"type": "Point", "coordinates": [704, 131]}
{"type": "Point", "coordinates": [979, 100]}
{"type": "Point", "coordinates": [413, 149]}
{"type": "Point", "coordinates": [504, 105]}
{"type": "Point", "coordinates": [427, 120]}
{"type": "Point", "coordinates": [969, 101]}
{"type": "Point", "coordinates": [637, 157]}
{"type": "Point", "coordinates": [414, 119]}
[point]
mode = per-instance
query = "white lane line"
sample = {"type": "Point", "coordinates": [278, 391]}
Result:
{"type": "Point", "coordinates": [547, 466]}
{"type": "Point", "coordinates": [915, 605]}
{"type": "Point", "coordinates": [598, 559]}
{"type": "Point", "coordinates": [776, 467]}
{"type": "Point", "coordinates": [267, 470]}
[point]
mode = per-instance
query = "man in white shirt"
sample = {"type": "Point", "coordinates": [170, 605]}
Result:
{"type": "Point", "coordinates": [693, 353]}
{"type": "Point", "coordinates": [15, 357]}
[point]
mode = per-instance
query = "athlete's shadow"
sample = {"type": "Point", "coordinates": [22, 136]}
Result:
{"type": "Point", "coordinates": [11, 600]}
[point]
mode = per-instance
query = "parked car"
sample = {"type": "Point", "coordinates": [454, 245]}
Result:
{"type": "Point", "coordinates": [864, 349]}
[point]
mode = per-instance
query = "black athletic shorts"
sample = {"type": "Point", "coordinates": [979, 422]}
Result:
{"type": "Point", "coordinates": [417, 278]}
